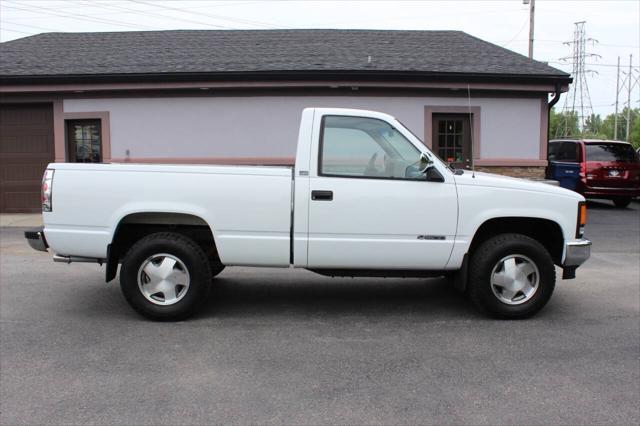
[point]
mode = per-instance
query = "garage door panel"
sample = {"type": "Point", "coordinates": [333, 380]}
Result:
{"type": "Point", "coordinates": [25, 143]}
{"type": "Point", "coordinates": [30, 173]}
{"type": "Point", "coordinates": [20, 202]}
{"type": "Point", "coordinates": [26, 147]}
{"type": "Point", "coordinates": [32, 114]}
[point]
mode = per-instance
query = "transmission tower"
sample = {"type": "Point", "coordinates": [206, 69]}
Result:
{"type": "Point", "coordinates": [629, 81]}
{"type": "Point", "coordinates": [577, 102]}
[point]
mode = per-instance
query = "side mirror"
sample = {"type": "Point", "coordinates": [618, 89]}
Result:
{"type": "Point", "coordinates": [425, 163]}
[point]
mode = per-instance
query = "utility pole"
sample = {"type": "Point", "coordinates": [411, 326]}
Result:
{"type": "Point", "coordinates": [628, 139]}
{"type": "Point", "coordinates": [532, 12]}
{"type": "Point", "coordinates": [615, 117]}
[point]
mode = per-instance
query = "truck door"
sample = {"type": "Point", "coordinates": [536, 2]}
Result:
{"type": "Point", "coordinates": [369, 205]}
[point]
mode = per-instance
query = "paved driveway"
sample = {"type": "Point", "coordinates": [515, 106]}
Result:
{"type": "Point", "coordinates": [292, 347]}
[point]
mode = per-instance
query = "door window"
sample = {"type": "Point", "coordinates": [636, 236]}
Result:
{"type": "Point", "coordinates": [366, 147]}
{"type": "Point", "coordinates": [84, 141]}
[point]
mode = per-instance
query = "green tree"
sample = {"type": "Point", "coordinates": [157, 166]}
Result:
{"type": "Point", "coordinates": [563, 124]}
{"type": "Point", "coordinates": [609, 123]}
{"type": "Point", "coordinates": [635, 134]}
{"type": "Point", "coordinates": [607, 126]}
{"type": "Point", "coordinates": [593, 127]}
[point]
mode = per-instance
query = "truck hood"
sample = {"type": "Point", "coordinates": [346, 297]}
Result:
{"type": "Point", "coordinates": [491, 180]}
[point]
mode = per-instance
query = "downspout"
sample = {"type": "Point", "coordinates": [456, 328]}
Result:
{"type": "Point", "coordinates": [552, 102]}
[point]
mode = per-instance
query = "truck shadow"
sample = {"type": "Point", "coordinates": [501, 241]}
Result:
{"type": "Point", "coordinates": [234, 296]}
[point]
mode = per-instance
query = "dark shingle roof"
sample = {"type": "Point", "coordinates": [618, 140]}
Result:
{"type": "Point", "coordinates": [262, 51]}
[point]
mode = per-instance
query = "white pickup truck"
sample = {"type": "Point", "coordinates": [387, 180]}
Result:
{"type": "Point", "coordinates": [365, 198]}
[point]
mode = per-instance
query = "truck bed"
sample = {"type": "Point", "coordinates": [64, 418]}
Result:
{"type": "Point", "coordinates": [248, 208]}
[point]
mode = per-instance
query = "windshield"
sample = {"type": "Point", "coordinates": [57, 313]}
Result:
{"type": "Point", "coordinates": [611, 152]}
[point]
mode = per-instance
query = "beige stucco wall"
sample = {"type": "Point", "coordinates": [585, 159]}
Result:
{"type": "Point", "coordinates": [267, 126]}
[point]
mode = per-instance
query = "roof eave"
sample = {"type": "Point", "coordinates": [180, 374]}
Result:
{"type": "Point", "coordinates": [373, 75]}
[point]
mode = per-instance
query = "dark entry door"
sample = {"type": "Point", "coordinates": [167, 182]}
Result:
{"type": "Point", "coordinates": [452, 138]}
{"type": "Point", "coordinates": [26, 147]}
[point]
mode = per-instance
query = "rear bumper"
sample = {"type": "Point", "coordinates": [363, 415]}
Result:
{"type": "Point", "coordinates": [604, 192]}
{"type": "Point", "coordinates": [576, 253]}
{"type": "Point", "coordinates": [36, 239]}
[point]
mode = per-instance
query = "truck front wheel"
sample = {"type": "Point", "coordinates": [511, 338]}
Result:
{"type": "Point", "coordinates": [165, 276]}
{"type": "Point", "coordinates": [511, 276]}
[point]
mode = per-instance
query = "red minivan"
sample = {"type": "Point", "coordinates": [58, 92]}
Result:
{"type": "Point", "coordinates": [608, 169]}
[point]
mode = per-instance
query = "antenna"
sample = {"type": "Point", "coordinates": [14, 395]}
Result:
{"type": "Point", "coordinates": [473, 163]}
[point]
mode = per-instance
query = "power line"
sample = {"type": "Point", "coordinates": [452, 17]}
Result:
{"type": "Point", "coordinates": [563, 42]}
{"type": "Point", "coordinates": [77, 5]}
{"type": "Point", "coordinates": [147, 13]}
{"type": "Point", "coordinates": [237, 20]}
{"type": "Point", "coordinates": [16, 31]}
{"type": "Point", "coordinates": [53, 12]}
{"type": "Point", "coordinates": [588, 63]}
{"type": "Point", "coordinates": [524, 25]}
{"type": "Point", "coordinates": [28, 25]}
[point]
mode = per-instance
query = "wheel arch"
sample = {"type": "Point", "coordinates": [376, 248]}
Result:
{"type": "Point", "coordinates": [135, 225]}
{"type": "Point", "coordinates": [546, 231]}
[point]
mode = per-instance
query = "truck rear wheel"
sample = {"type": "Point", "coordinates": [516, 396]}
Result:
{"type": "Point", "coordinates": [511, 276]}
{"type": "Point", "coordinates": [165, 276]}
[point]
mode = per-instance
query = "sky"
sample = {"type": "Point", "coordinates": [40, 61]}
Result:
{"type": "Point", "coordinates": [613, 25]}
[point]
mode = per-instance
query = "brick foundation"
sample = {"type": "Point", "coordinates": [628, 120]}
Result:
{"type": "Point", "coordinates": [520, 172]}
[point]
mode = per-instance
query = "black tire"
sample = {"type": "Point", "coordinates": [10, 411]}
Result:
{"type": "Point", "coordinates": [489, 254]}
{"type": "Point", "coordinates": [192, 257]}
{"type": "Point", "coordinates": [622, 202]}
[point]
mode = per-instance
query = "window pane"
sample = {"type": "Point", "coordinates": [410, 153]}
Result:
{"type": "Point", "coordinates": [450, 141]}
{"type": "Point", "coordinates": [450, 128]}
{"type": "Point", "coordinates": [366, 147]}
{"type": "Point", "coordinates": [84, 140]}
{"type": "Point", "coordinates": [610, 152]}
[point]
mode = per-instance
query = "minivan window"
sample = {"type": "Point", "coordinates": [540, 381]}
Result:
{"type": "Point", "coordinates": [563, 151]}
{"type": "Point", "coordinates": [611, 152]}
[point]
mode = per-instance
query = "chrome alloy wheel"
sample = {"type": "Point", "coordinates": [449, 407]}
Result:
{"type": "Point", "coordinates": [163, 279]}
{"type": "Point", "coordinates": [515, 279]}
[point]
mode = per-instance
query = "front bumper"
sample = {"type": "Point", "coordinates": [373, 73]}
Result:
{"type": "Point", "coordinates": [36, 239]}
{"type": "Point", "coordinates": [575, 254]}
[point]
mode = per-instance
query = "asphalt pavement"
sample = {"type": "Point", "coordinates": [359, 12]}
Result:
{"type": "Point", "coordinates": [292, 347]}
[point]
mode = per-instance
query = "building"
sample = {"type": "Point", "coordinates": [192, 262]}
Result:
{"type": "Point", "coordinates": [236, 97]}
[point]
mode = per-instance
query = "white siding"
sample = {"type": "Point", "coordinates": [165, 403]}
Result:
{"type": "Point", "coordinates": [267, 126]}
